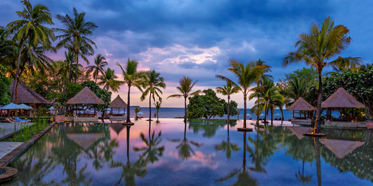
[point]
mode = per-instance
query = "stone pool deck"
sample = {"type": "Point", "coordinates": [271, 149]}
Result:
{"type": "Point", "coordinates": [8, 147]}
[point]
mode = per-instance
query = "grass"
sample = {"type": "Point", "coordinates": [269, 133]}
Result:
{"type": "Point", "coordinates": [26, 132]}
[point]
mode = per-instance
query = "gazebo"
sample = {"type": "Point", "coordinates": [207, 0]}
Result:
{"type": "Point", "coordinates": [85, 97]}
{"type": "Point", "coordinates": [339, 100]}
{"type": "Point", "coordinates": [117, 103]}
{"type": "Point", "coordinates": [301, 105]}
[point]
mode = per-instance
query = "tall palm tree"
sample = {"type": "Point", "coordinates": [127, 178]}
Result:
{"type": "Point", "coordinates": [158, 106]}
{"type": "Point", "coordinates": [98, 67]}
{"type": "Point", "coordinates": [131, 77]}
{"type": "Point", "coordinates": [30, 30]}
{"type": "Point", "coordinates": [185, 87]}
{"type": "Point", "coordinates": [108, 79]}
{"type": "Point", "coordinates": [247, 75]}
{"type": "Point", "coordinates": [259, 82]}
{"type": "Point", "coordinates": [318, 49]}
{"type": "Point", "coordinates": [228, 90]}
{"type": "Point", "coordinates": [268, 94]}
{"type": "Point", "coordinates": [296, 88]}
{"type": "Point", "coordinates": [75, 35]}
{"type": "Point", "coordinates": [152, 84]}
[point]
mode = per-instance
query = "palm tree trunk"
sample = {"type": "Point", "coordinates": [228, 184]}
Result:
{"type": "Point", "coordinates": [318, 112]}
{"type": "Point", "coordinates": [150, 108]}
{"type": "Point", "coordinates": [76, 67]}
{"type": "Point", "coordinates": [244, 113]}
{"type": "Point", "coordinates": [15, 85]}
{"type": "Point", "coordinates": [265, 115]}
{"type": "Point", "coordinates": [228, 109]}
{"type": "Point", "coordinates": [185, 106]}
{"type": "Point", "coordinates": [71, 71]}
{"type": "Point", "coordinates": [128, 104]}
{"type": "Point", "coordinates": [272, 117]}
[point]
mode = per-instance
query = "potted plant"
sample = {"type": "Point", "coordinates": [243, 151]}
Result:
{"type": "Point", "coordinates": [58, 109]}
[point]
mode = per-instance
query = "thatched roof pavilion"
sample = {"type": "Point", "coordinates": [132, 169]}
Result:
{"type": "Point", "coordinates": [27, 95]}
{"type": "Point", "coordinates": [301, 104]}
{"type": "Point", "coordinates": [118, 103]}
{"type": "Point", "coordinates": [341, 147]}
{"type": "Point", "coordinates": [341, 99]}
{"type": "Point", "coordinates": [86, 97]}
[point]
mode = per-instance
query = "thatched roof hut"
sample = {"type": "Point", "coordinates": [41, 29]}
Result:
{"type": "Point", "coordinates": [27, 95]}
{"type": "Point", "coordinates": [118, 103]}
{"type": "Point", "coordinates": [341, 99]}
{"type": "Point", "coordinates": [341, 147]}
{"type": "Point", "coordinates": [85, 140]}
{"type": "Point", "coordinates": [301, 104]}
{"type": "Point", "coordinates": [87, 97]}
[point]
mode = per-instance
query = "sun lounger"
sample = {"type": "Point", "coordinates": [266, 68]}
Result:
{"type": "Point", "coordinates": [9, 120]}
{"type": "Point", "coordinates": [19, 119]}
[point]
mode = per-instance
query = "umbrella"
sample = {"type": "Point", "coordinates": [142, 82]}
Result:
{"type": "Point", "coordinates": [278, 114]}
{"type": "Point", "coordinates": [11, 106]}
{"type": "Point", "coordinates": [51, 108]}
{"type": "Point", "coordinates": [261, 115]}
{"type": "Point", "coordinates": [140, 113]}
{"type": "Point", "coordinates": [248, 115]}
{"type": "Point", "coordinates": [23, 106]}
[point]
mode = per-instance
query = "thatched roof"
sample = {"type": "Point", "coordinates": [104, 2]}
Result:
{"type": "Point", "coordinates": [118, 103]}
{"type": "Point", "coordinates": [301, 104]}
{"type": "Point", "coordinates": [85, 96]}
{"type": "Point", "coordinates": [27, 95]}
{"type": "Point", "coordinates": [341, 147]}
{"type": "Point", "coordinates": [85, 140]}
{"type": "Point", "coordinates": [341, 99]}
{"type": "Point", "coordinates": [117, 127]}
{"type": "Point", "coordinates": [299, 131]}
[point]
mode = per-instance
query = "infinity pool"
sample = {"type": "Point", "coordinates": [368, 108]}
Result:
{"type": "Point", "coordinates": [173, 153]}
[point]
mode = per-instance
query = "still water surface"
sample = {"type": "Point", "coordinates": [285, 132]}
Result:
{"type": "Point", "coordinates": [173, 153]}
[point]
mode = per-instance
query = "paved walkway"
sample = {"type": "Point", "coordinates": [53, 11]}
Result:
{"type": "Point", "coordinates": [7, 147]}
{"type": "Point", "coordinates": [8, 128]}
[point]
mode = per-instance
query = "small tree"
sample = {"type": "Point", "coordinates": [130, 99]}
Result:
{"type": "Point", "coordinates": [4, 87]}
{"type": "Point", "coordinates": [158, 106]}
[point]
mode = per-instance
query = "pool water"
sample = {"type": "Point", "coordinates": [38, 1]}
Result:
{"type": "Point", "coordinates": [173, 153]}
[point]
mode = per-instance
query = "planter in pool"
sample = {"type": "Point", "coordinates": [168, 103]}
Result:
{"type": "Point", "coordinates": [69, 118]}
{"type": "Point", "coordinates": [7, 173]}
{"type": "Point", "coordinates": [369, 124]}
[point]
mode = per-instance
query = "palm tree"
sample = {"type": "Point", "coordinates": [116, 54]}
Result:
{"type": "Point", "coordinates": [185, 87]}
{"type": "Point", "coordinates": [98, 67]}
{"type": "Point", "coordinates": [259, 82]}
{"type": "Point", "coordinates": [158, 106]}
{"type": "Point", "coordinates": [152, 84]}
{"type": "Point", "coordinates": [227, 90]}
{"type": "Point", "coordinates": [227, 146]}
{"type": "Point", "coordinates": [268, 94]}
{"type": "Point", "coordinates": [137, 110]}
{"type": "Point", "coordinates": [238, 113]}
{"type": "Point", "coordinates": [75, 36]}
{"type": "Point", "coordinates": [30, 30]}
{"type": "Point", "coordinates": [318, 48]}
{"type": "Point", "coordinates": [131, 77]}
{"type": "Point", "coordinates": [108, 80]}
{"type": "Point", "coordinates": [247, 75]}
{"type": "Point", "coordinates": [257, 109]}
{"type": "Point", "coordinates": [296, 88]}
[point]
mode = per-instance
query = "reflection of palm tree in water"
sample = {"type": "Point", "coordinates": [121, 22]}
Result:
{"type": "Point", "coordinates": [301, 177]}
{"type": "Point", "coordinates": [258, 156]}
{"type": "Point", "coordinates": [129, 171]}
{"type": "Point", "coordinates": [318, 161]}
{"type": "Point", "coordinates": [185, 149]}
{"type": "Point", "coordinates": [227, 146]}
{"type": "Point", "coordinates": [151, 151]}
{"type": "Point", "coordinates": [242, 173]}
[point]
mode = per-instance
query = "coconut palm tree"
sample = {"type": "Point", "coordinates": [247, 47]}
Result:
{"type": "Point", "coordinates": [132, 78]}
{"type": "Point", "coordinates": [98, 67]}
{"type": "Point", "coordinates": [185, 87]}
{"type": "Point", "coordinates": [137, 110]}
{"type": "Point", "coordinates": [30, 30]}
{"type": "Point", "coordinates": [108, 79]}
{"type": "Point", "coordinates": [318, 49]}
{"type": "Point", "coordinates": [75, 36]}
{"type": "Point", "coordinates": [158, 106]}
{"type": "Point", "coordinates": [228, 90]}
{"type": "Point", "coordinates": [152, 84]}
{"type": "Point", "coordinates": [247, 75]}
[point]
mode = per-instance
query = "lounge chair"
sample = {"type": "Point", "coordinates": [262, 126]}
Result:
{"type": "Point", "coordinates": [9, 120]}
{"type": "Point", "coordinates": [19, 119]}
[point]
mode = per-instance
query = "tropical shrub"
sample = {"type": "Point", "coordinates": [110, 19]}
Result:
{"type": "Point", "coordinates": [4, 87]}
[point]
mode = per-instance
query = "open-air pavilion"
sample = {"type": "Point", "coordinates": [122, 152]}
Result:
{"type": "Point", "coordinates": [85, 97]}
{"type": "Point", "coordinates": [339, 100]}
{"type": "Point", "coordinates": [118, 104]}
{"type": "Point", "coordinates": [301, 105]}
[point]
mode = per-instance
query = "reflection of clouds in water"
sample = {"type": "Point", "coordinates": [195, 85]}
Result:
{"type": "Point", "coordinates": [197, 160]}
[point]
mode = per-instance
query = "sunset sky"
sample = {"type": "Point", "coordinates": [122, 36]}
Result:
{"type": "Point", "coordinates": [197, 38]}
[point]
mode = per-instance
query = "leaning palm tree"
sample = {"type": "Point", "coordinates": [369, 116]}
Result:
{"type": "Point", "coordinates": [98, 67]}
{"type": "Point", "coordinates": [152, 84]}
{"type": "Point", "coordinates": [228, 90]}
{"type": "Point", "coordinates": [132, 78]}
{"type": "Point", "coordinates": [185, 88]}
{"type": "Point", "coordinates": [30, 30]}
{"type": "Point", "coordinates": [247, 75]}
{"type": "Point", "coordinates": [318, 48]}
{"type": "Point", "coordinates": [75, 36]}
{"type": "Point", "coordinates": [108, 79]}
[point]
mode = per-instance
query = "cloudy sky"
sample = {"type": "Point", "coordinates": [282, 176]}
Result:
{"type": "Point", "coordinates": [197, 38]}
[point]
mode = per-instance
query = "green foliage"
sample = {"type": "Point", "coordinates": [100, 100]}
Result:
{"type": "Point", "coordinates": [309, 75]}
{"type": "Point", "coordinates": [26, 132]}
{"type": "Point", "coordinates": [4, 87]}
{"type": "Point", "coordinates": [209, 105]}
{"type": "Point", "coordinates": [101, 93]}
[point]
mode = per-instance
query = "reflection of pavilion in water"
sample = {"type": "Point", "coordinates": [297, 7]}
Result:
{"type": "Point", "coordinates": [86, 136]}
